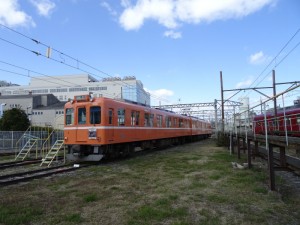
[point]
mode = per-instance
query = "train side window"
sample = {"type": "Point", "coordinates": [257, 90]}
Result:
{"type": "Point", "coordinates": [110, 116]}
{"type": "Point", "coordinates": [151, 120]}
{"type": "Point", "coordinates": [69, 116]}
{"type": "Point", "coordinates": [135, 117]}
{"type": "Point", "coordinates": [81, 115]}
{"type": "Point", "coordinates": [147, 120]}
{"type": "Point", "coordinates": [180, 122]}
{"type": "Point", "coordinates": [159, 120]}
{"type": "Point", "coordinates": [298, 119]}
{"type": "Point", "coordinates": [133, 113]}
{"type": "Point", "coordinates": [168, 121]}
{"type": "Point", "coordinates": [121, 117]}
{"type": "Point", "coordinates": [175, 122]}
{"type": "Point", "coordinates": [95, 115]}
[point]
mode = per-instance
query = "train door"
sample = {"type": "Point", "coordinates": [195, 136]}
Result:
{"type": "Point", "coordinates": [81, 132]}
{"type": "Point", "coordinates": [111, 132]}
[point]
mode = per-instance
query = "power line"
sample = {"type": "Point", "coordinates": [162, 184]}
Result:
{"type": "Point", "coordinates": [62, 62]}
{"type": "Point", "coordinates": [63, 54]}
{"type": "Point", "coordinates": [287, 43]}
{"type": "Point", "coordinates": [28, 75]}
{"type": "Point", "coordinates": [31, 71]}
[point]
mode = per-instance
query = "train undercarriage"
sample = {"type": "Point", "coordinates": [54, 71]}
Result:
{"type": "Point", "coordinates": [96, 153]}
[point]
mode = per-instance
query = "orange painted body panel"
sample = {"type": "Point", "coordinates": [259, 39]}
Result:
{"type": "Point", "coordinates": [123, 129]}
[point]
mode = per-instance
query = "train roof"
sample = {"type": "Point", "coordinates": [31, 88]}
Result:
{"type": "Point", "coordinates": [87, 99]}
{"type": "Point", "coordinates": [280, 111]}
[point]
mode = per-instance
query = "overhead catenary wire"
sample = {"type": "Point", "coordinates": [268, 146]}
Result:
{"type": "Point", "coordinates": [62, 62]}
{"type": "Point", "coordinates": [274, 60]}
{"type": "Point", "coordinates": [58, 61]}
{"type": "Point", "coordinates": [281, 50]}
{"type": "Point", "coordinates": [28, 75]}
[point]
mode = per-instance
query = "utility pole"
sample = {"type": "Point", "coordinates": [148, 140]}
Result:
{"type": "Point", "coordinates": [216, 117]}
{"type": "Point", "coordinates": [222, 101]}
{"type": "Point", "coordinates": [274, 94]}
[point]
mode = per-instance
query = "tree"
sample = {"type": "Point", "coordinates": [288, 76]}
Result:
{"type": "Point", "coordinates": [14, 120]}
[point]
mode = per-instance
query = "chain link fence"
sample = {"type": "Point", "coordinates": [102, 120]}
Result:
{"type": "Point", "coordinates": [11, 141]}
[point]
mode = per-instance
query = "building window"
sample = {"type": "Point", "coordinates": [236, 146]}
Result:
{"type": "Point", "coordinates": [58, 90]}
{"type": "Point", "coordinates": [77, 89]}
{"type": "Point", "coordinates": [40, 91]}
{"type": "Point", "coordinates": [97, 88]}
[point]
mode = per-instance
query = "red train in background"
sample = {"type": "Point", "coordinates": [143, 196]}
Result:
{"type": "Point", "coordinates": [285, 122]}
{"type": "Point", "coordinates": [98, 127]}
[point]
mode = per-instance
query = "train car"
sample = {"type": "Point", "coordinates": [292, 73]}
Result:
{"type": "Point", "coordinates": [98, 127]}
{"type": "Point", "coordinates": [280, 125]}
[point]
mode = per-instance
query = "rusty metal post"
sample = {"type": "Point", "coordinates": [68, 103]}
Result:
{"type": "Point", "coordinates": [249, 153]}
{"type": "Point", "coordinates": [282, 157]}
{"type": "Point", "coordinates": [271, 168]}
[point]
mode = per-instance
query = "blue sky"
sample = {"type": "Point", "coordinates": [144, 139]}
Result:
{"type": "Point", "coordinates": [177, 48]}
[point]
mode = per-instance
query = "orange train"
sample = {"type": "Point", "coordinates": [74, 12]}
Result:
{"type": "Point", "coordinates": [98, 127]}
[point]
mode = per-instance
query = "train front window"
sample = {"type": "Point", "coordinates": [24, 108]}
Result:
{"type": "Point", "coordinates": [69, 116]}
{"type": "Point", "coordinates": [95, 115]}
{"type": "Point", "coordinates": [81, 115]}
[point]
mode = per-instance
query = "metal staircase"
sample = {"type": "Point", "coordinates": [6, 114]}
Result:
{"type": "Point", "coordinates": [53, 152]}
{"type": "Point", "coordinates": [27, 148]}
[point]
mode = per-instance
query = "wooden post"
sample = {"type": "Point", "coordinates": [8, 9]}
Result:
{"type": "Point", "coordinates": [249, 153]}
{"type": "Point", "coordinates": [271, 168]}
{"type": "Point", "coordinates": [232, 144]}
{"type": "Point", "coordinates": [282, 157]}
{"type": "Point", "coordinates": [255, 149]}
{"type": "Point", "coordinates": [238, 147]}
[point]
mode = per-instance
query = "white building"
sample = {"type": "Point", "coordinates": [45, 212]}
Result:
{"type": "Point", "coordinates": [66, 87]}
{"type": "Point", "coordinates": [44, 98]}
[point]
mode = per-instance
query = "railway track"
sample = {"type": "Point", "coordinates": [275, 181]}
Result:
{"type": "Point", "coordinates": [35, 174]}
{"type": "Point", "coordinates": [18, 163]}
{"type": "Point", "coordinates": [19, 177]}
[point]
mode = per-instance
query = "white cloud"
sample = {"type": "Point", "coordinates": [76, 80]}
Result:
{"type": "Point", "coordinates": [125, 3]}
{"type": "Point", "coordinates": [11, 15]}
{"type": "Point", "coordinates": [172, 34]}
{"type": "Point", "coordinates": [245, 83]}
{"type": "Point", "coordinates": [161, 92]}
{"type": "Point", "coordinates": [258, 58]}
{"type": "Point", "coordinates": [171, 13]}
{"type": "Point", "coordinates": [133, 17]}
{"type": "Point", "coordinates": [44, 7]}
{"type": "Point", "coordinates": [160, 95]}
{"type": "Point", "coordinates": [108, 8]}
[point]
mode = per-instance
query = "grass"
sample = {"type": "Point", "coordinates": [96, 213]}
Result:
{"type": "Point", "coordinates": [184, 185]}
